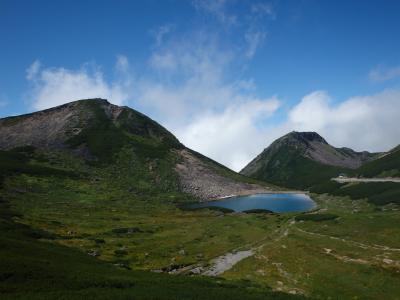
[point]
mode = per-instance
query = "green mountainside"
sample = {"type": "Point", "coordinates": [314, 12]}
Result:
{"type": "Point", "coordinates": [380, 193]}
{"type": "Point", "coordinates": [303, 159]}
{"type": "Point", "coordinates": [387, 165]}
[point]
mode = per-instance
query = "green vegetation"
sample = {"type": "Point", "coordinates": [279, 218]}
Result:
{"type": "Point", "coordinates": [379, 193]}
{"type": "Point", "coordinates": [34, 269]}
{"type": "Point", "coordinates": [258, 211]}
{"type": "Point", "coordinates": [96, 235]}
{"type": "Point", "coordinates": [105, 138]}
{"type": "Point", "coordinates": [212, 208]}
{"type": "Point", "coordinates": [17, 161]}
{"type": "Point", "coordinates": [354, 256]}
{"type": "Point", "coordinates": [296, 171]}
{"type": "Point", "coordinates": [316, 217]}
{"type": "Point", "coordinates": [386, 166]}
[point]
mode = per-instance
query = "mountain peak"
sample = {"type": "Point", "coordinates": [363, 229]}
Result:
{"type": "Point", "coordinates": [309, 136]}
{"type": "Point", "coordinates": [79, 102]}
{"type": "Point", "coordinates": [92, 126]}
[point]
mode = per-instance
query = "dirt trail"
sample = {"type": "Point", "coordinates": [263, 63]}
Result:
{"type": "Point", "coordinates": [225, 262]}
{"type": "Point", "coordinates": [388, 179]}
{"type": "Point", "coordinates": [358, 244]}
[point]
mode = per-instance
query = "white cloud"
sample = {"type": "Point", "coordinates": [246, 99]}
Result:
{"type": "Point", "coordinates": [198, 92]}
{"type": "Point", "coordinates": [253, 38]}
{"type": "Point", "coordinates": [256, 33]}
{"type": "Point", "coordinates": [33, 69]}
{"type": "Point", "coordinates": [250, 24]}
{"type": "Point", "coordinates": [218, 9]}
{"type": "Point", "coordinates": [122, 64]}
{"type": "Point", "coordinates": [160, 33]}
{"type": "Point", "coordinates": [194, 54]}
{"type": "Point", "coordinates": [262, 9]}
{"type": "Point", "coordinates": [314, 108]}
{"type": "Point", "coordinates": [231, 137]}
{"type": "Point", "coordinates": [362, 122]}
{"type": "Point", "coordinates": [189, 78]}
{"type": "Point", "coordinates": [55, 86]}
{"type": "Point", "coordinates": [194, 96]}
{"type": "Point", "coordinates": [380, 74]}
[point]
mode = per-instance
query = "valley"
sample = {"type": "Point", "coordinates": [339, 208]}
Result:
{"type": "Point", "coordinates": [289, 252]}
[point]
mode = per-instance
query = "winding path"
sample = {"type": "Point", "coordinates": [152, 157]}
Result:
{"type": "Point", "coordinates": [358, 244]}
{"type": "Point", "coordinates": [354, 179]}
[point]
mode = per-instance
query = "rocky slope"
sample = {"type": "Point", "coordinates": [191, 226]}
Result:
{"type": "Point", "coordinates": [99, 132]}
{"type": "Point", "coordinates": [301, 159]}
{"type": "Point", "coordinates": [203, 180]}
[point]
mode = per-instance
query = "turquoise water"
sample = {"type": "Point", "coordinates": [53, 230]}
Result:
{"type": "Point", "coordinates": [274, 202]}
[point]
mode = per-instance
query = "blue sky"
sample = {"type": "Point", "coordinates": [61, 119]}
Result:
{"type": "Point", "coordinates": [227, 77]}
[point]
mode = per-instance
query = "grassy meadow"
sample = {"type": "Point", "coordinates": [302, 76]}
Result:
{"type": "Point", "coordinates": [83, 231]}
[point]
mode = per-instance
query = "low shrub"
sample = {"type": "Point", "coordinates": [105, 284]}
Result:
{"type": "Point", "coordinates": [120, 252]}
{"type": "Point", "coordinates": [258, 211]}
{"type": "Point", "coordinates": [316, 217]}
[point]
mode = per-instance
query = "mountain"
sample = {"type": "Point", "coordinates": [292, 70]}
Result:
{"type": "Point", "coordinates": [385, 165]}
{"type": "Point", "coordinates": [93, 128]}
{"type": "Point", "coordinates": [379, 193]}
{"type": "Point", "coordinates": [303, 159]}
{"type": "Point", "coordinates": [104, 134]}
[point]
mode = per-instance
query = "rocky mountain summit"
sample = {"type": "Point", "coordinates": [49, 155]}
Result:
{"type": "Point", "coordinates": [79, 124]}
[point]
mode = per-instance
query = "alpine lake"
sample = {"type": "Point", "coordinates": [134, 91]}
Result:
{"type": "Point", "coordinates": [277, 203]}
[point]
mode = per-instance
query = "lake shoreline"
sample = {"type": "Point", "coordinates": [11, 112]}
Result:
{"type": "Point", "coordinates": [279, 202]}
{"type": "Point", "coordinates": [249, 193]}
